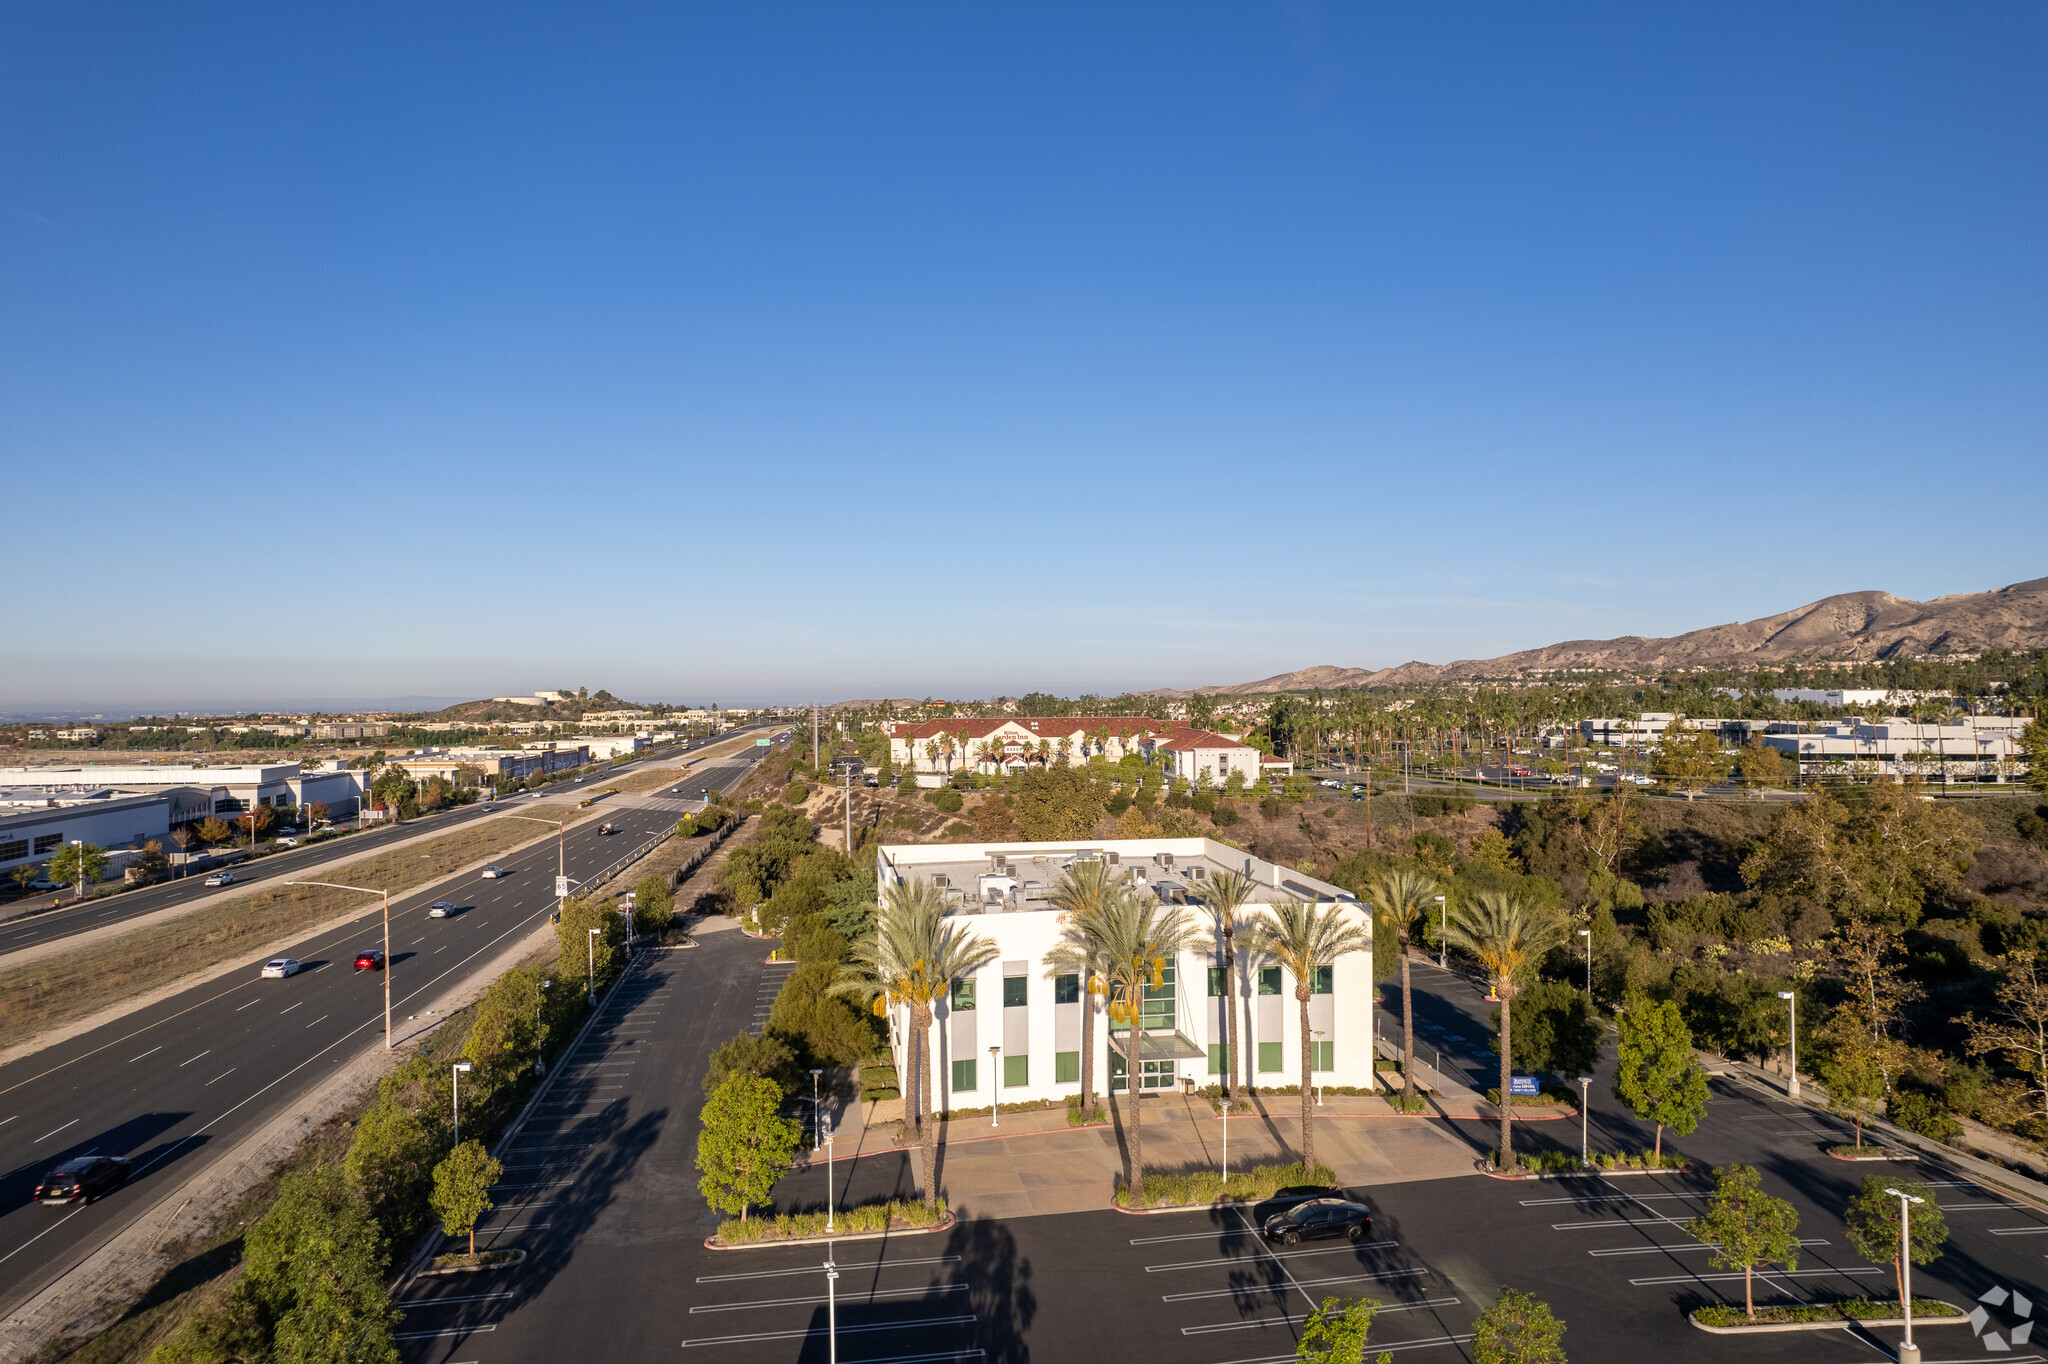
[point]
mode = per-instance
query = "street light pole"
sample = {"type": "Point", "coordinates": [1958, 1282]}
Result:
{"type": "Point", "coordinates": [1909, 1353]}
{"type": "Point", "coordinates": [1587, 934]}
{"type": "Point", "coordinates": [1792, 1002]}
{"type": "Point", "coordinates": [591, 943]}
{"type": "Point", "coordinates": [995, 1087]}
{"type": "Point", "coordinates": [540, 1041]}
{"type": "Point", "coordinates": [1443, 928]}
{"type": "Point", "coordinates": [817, 1122]}
{"type": "Point", "coordinates": [79, 844]}
{"type": "Point", "coordinates": [828, 1181]}
{"type": "Point", "coordinates": [1585, 1102]}
{"type": "Point", "coordinates": [831, 1309]}
{"type": "Point", "coordinates": [455, 1094]}
{"type": "Point", "coordinates": [366, 890]}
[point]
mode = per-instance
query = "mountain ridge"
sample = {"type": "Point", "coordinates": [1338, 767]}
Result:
{"type": "Point", "coordinates": [1847, 627]}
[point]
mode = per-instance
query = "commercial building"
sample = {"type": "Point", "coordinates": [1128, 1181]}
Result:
{"type": "Point", "coordinates": [596, 747]}
{"type": "Point", "coordinates": [1012, 1030]}
{"type": "Point", "coordinates": [352, 729]}
{"type": "Point", "coordinates": [1974, 748]}
{"type": "Point", "coordinates": [493, 763]}
{"type": "Point", "coordinates": [36, 822]}
{"type": "Point", "coordinates": [1206, 758]}
{"type": "Point", "coordinates": [231, 789]}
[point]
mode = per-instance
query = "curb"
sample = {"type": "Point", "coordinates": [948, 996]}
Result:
{"type": "Point", "coordinates": [713, 1243]}
{"type": "Point", "coordinates": [1874, 1156]}
{"type": "Point", "coordinates": [1218, 1206]}
{"type": "Point", "coordinates": [1534, 1176]}
{"type": "Point", "coordinates": [1841, 1324]}
{"type": "Point", "coordinates": [518, 1258]}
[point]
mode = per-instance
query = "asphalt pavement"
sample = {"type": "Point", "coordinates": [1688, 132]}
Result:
{"type": "Point", "coordinates": [600, 1191]}
{"type": "Point", "coordinates": [28, 929]}
{"type": "Point", "coordinates": [169, 1085]}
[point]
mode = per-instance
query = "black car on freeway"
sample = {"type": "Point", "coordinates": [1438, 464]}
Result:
{"type": "Point", "coordinates": [82, 1180]}
{"type": "Point", "coordinates": [1317, 1218]}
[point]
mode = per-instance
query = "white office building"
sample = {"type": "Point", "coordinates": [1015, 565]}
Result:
{"type": "Point", "coordinates": [35, 822]}
{"type": "Point", "coordinates": [1013, 1030]}
{"type": "Point", "coordinates": [1974, 748]}
{"type": "Point", "coordinates": [233, 789]}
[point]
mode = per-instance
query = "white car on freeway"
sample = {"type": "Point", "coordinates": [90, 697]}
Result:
{"type": "Point", "coordinates": [440, 909]}
{"type": "Point", "coordinates": [492, 872]}
{"type": "Point", "coordinates": [287, 842]}
{"type": "Point", "coordinates": [221, 878]}
{"type": "Point", "coordinates": [278, 968]}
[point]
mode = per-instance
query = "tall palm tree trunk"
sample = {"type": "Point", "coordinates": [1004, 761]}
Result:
{"type": "Point", "coordinates": [922, 1020]}
{"type": "Point", "coordinates": [1507, 1139]}
{"type": "Point", "coordinates": [1087, 1048]}
{"type": "Point", "coordinates": [1230, 1046]}
{"type": "Point", "coordinates": [1407, 1027]}
{"type": "Point", "coordinates": [1308, 1119]}
{"type": "Point", "coordinates": [1132, 1083]}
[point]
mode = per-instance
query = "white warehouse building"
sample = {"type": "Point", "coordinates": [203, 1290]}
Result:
{"type": "Point", "coordinates": [1012, 1031]}
{"type": "Point", "coordinates": [234, 789]}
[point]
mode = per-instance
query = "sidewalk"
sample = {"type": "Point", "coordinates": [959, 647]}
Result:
{"type": "Point", "coordinates": [1028, 1163]}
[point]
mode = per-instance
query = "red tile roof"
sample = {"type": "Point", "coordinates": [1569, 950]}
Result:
{"type": "Point", "coordinates": [1046, 727]}
{"type": "Point", "coordinates": [1183, 740]}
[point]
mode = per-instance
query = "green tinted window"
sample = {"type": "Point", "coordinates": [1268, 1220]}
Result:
{"type": "Point", "coordinates": [1322, 1056]}
{"type": "Point", "coordinates": [1016, 1072]}
{"type": "Point", "coordinates": [1216, 983]}
{"type": "Point", "coordinates": [1322, 982]}
{"type": "Point", "coordinates": [963, 1076]}
{"type": "Point", "coordinates": [1217, 1052]}
{"type": "Point", "coordinates": [1066, 1067]}
{"type": "Point", "coordinates": [963, 994]}
{"type": "Point", "coordinates": [1269, 980]}
{"type": "Point", "coordinates": [1066, 989]}
{"type": "Point", "coordinates": [1014, 991]}
{"type": "Point", "coordinates": [1269, 1057]}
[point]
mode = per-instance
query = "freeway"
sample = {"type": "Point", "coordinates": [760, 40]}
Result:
{"type": "Point", "coordinates": [29, 930]}
{"type": "Point", "coordinates": [174, 1085]}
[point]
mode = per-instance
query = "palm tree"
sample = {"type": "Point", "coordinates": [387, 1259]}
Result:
{"type": "Point", "coordinates": [1403, 895]}
{"type": "Point", "coordinates": [913, 957]}
{"type": "Point", "coordinates": [1226, 895]}
{"type": "Point", "coordinates": [1137, 937]}
{"type": "Point", "coordinates": [1306, 938]}
{"type": "Point", "coordinates": [1508, 935]}
{"type": "Point", "coordinates": [1079, 894]}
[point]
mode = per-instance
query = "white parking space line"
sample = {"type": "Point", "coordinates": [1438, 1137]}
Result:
{"type": "Point", "coordinates": [2016, 1231]}
{"type": "Point", "coordinates": [1346, 1249]}
{"type": "Point", "coordinates": [844, 1330]}
{"type": "Point", "coordinates": [1299, 1283]}
{"type": "Point", "coordinates": [448, 1302]}
{"type": "Point", "coordinates": [1776, 1274]}
{"type": "Point", "coordinates": [1616, 1222]}
{"type": "Point", "coordinates": [1611, 1198]}
{"type": "Point", "coordinates": [1675, 1248]}
{"type": "Point", "coordinates": [848, 1298]}
{"type": "Point", "coordinates": [820, 1269]}
{"type": "Point", "coordinates": [452, 1331]}
{"type": "Point", "coordinates": [1191, 1236]}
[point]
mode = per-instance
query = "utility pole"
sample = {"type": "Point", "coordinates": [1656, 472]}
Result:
{"type": "Point", "coordinates": [849, 810]}
{"type": "Point", "coordinates": [814, 738]}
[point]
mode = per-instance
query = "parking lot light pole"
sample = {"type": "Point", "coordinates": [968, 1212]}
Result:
{"type": "Point", "coordinates": [591, 942]}
{"type": "Point", "coordinates": [1443, 921]}
{"type": "Point", "coordinates": [1909, 1353]}
{"type": "Point", "coordinates": [1585, 1103]}
{"type": "Point", "coordinates": [828, 1181]}
{"type": "Point", "coordinates": [1587, 934]}
{"type": "Point", "coordinates": [817, 1122]}
{"type": "Point", "coordinates": [455, 1094]}
{"type": "Point", "coordinates": [831, 1310]}
{"type": "Point", "coordinates": [995, 1087]}
{"type": "Point", "coordinates": [540, 1040]}
{"type": "Point", "coordinates": [1791, 999]}
{"type": "Point", "coordinates": [335, 885]}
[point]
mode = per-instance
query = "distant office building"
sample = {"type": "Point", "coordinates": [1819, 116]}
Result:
{"type": "Point", "coordinates": [494, 764]}
{"type": "Point", "coordinates": [232, 789]}
{"type": "Point", "coordinates": [106, 819]}
{"type": "Point", "coordinates": [351, 729]}
{"type": "Point", "coordinates": [1975, 748]}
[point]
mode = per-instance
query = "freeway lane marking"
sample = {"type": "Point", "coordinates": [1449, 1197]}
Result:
{"type": "Point", "coordinates": [222, 1076]}
{"type": "Point", "coordinates": [189, 1060]}
{"type": "Point", "coordinates": [850, 1298]}
{"type": "Point", "coordinates": [151, 1052]}
{"type": "Point", "coordinates": [54, 1131]}
{"type": "Point", "coordinates": [818, 1269]}
{"type": "Point", "coordinates": [41, 1234]}
{"type": "Point", "coordinates": [318, 1021]}
{"type": "Point", "coordinates": [282, 1012]}
{"type": "Point", "coordinates": [843, 1330]}
{"type": "Point", "coordinates": [250, 1005]}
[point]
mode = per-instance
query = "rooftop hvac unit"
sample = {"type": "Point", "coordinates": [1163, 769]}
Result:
{"type": "Point", "coordinates": [1197, 873]}
{"type": "Point", "coordinates": [1115, 859]}
{"type": "Point", "coordinates": [1164, 859]}
{"type": "Point", "coordinates": [942, 881]}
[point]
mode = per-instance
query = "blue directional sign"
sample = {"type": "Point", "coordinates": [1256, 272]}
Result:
{"type": "Point", "coordinates": [1521, 1084]}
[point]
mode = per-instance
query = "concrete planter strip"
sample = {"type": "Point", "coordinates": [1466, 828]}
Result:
{"type": "Point", "coordinates": [511, 1258]}
{"type": "Point", "coordinates": [766, 1242]}
{"type": "Point", "coordinates": [1839, 1324]}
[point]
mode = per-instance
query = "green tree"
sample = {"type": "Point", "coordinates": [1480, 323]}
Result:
{"type": "Point", "coordinates": [2018, 1029]}
{"type": "Point", "coordinates": [1307, 939]}
{"type": "Point", "coordinates": [1760, 766]}
{"type": "Point", "coordinates": [214, 830]}
{"type": "Point", "coordinates": [1852, 1068]}
{"type": "Point", "coordinates": [1689, 760]}
{"type": "Point", "coordinates": [23, 874]}
{"type": "Point", "coordinates": [2033, 745]}
{"type": "Point", "coordinates": [1508, 935]}
{"type": "Point", "coordinates": [1404, 897]}
{"type": "Point", "coordinates": [765, 1057]}
{"type": "Point", "coordinates": [1518, 1329]}
{"type": "Point", "coordinates": [462, 1189]}
{"type": "Point", "coordinates": [1056, 802]}
{"type": "Point", "coordinates": [745, 1145]}
{"type": "Point", "coordinates": [75, 863]}
{"type": "Point", "coordinates": [1657, 1073]}
{"type": "Point", "coordinates": [1871, 1222]}
{"type": "Point", "coordinates": [1747, 1227]}
{"type": "Point", "coordinates": [397, 1142]}
{"type": "Point", "coordinates": [579, 956]}
{"type": "Point", "coordinates": [1335, 1331]}
{"type": "Point", "coordinates": [1556, 1030]}
{"type": "Point", "coordinates": [313, 1273]}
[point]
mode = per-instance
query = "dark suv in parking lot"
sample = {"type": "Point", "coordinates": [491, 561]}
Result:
{"type": "Point", "coordinates": [82, 1180]}
{"type": "Point", "coordinates": [1319, 1217]}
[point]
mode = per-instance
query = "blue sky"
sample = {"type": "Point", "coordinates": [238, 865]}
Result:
{"type": "Point", "coordinates": [777, 352]}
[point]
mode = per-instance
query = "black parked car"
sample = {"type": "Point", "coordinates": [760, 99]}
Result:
{"type": "Point", "coordinates": [1319, 1217]}
{"type": "Point", "coordinates": [82, 1180]}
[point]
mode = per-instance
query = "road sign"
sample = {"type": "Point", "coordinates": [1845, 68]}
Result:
{"type": "Point", "coordinates": [1521, 1084]}
{"type": "Point", "coordinates": [561, 887]}
{"type": "Point", "coordinates": [761, 743]}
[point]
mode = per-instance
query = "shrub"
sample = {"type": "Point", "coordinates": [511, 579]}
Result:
{"type": "Point", "coordinates": [908, 786]}
{"type": "Point", "coordinates": [871, 1217]}
{"type": "Point", "coordinates": [1640, 1160]}
{"type": "Point", "coordinates": [770, 1058]}
{"type": "Point", "coordinates": [796, 793]}
{"type": "Point", "coordinates": [1918, 1112]}
{"type": "Point", "coordinates": [1272, 807]}
{"type": "Point", "coordinates": [1118, 803]}
{"type": "Point", "coordinates": [1431, 805]}
{"type": "Point", "coordinates": [1197, 1188]}
{"type": "Point", "coordinates": [946, 800]}
{"type": "Point", "coordinates": [1848, 1309]}
{"type": "Point", "coordinates": [1225, 815]}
